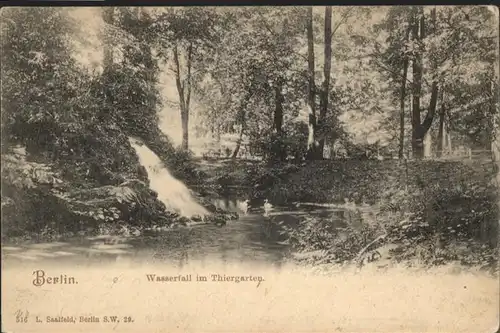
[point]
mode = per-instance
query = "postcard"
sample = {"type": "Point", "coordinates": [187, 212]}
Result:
{"type": "Point", "coordinates": [250, 169]}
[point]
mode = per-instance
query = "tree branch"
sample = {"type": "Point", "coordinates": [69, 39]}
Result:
{"type": "Point", "coordinates": [342, 20]}
{"type": "Point", "coordinates": [189, 64]}
{"type": "Point", "coordinates": [375, 55]}
{"type": "Point", "coordinates": [359, 256]}
{"type": "Point", "coordinates": [268, 28]}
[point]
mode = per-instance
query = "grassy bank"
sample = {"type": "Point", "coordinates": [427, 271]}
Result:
{"type": "Point", "coordinates": [332, 181]}
{"type": "Point", "coordinates": [434, 212]}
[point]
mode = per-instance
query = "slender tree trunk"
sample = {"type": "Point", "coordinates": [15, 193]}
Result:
{"type": "Point", "coordinates": [278, 110]}
{"type": "Point", "coordinates": [449, 147]}
{"type": "Point", "coordinates": [184, 91]}
{"type": "Point", "coordinates": [278, 91]}
{"type": "Point", "coordinates": [218, 134]}
{"type": "Point", "coordinates": [402, 102]}
{"type": "Point", "coordinates": [402, 111]}
{"type": "Point", "coordinates": [185, 129]}
{"type": "Point", "coordinates": [445, 133]}
{"type": "Point", "coordinates": [242, 120]}
{"type": "Point", "coordinates": [434, 89]}
{"type": "Point", "coordinates": [278, 148]}
{"type": "Point", "coordinates": [495, 119]}
{"type": "Point", "coordinates": [326, 82]}
{"type": "Point", "coordinates": [311, 140]}
{"type": "Point", "coordinates": [441, 131]}
{"type": "Point", "coordinates": [495, 145]}
{"type": "Point", "coordinates": [428, 145]}
{"type": "Point", "coordinates": [417, 142]}
{"type": "Point", "coordinates": [238, 144]}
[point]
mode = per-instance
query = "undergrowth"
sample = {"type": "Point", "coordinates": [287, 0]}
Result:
{"type": "Point", "coordinates": [428, 224]}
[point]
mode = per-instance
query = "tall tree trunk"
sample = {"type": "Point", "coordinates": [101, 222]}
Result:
{"type": "Point", "coordinates": [428, 145]}
{"type": "Point", "coordinates": [449, 147]}
{"type": "Point", "coordinates": [185, 128]}
{"type": "Point", "coordinates": [495, 148]}
{"type": "Point", "coordinates": [403, 100]}
{"type": "Point", "coordinates": [495, 118]}
{"type": "Point", "coordinates": [242, 120]}
{"type": "Point", "coordinates": [278, 110]}
{"type": "Point", "coordinates": [238, 144]}
{"type": "Point", "coordinates": [278, 148]}
{"type": "Point", "coordinates": [325, 88]}
{"type": "Point", "coordinates": [434, 88]}
{"type": "Point", "coordinates": [419, 130]}
{"type": "Point", "coordinates": [187, 104]}
{"type": "Point", "coordinates": [441, 131]}
{"type": "Point", "coordinates": [495, 144]}
{"type": "Point", "coordinates": [184, 91]}
{"type": "Point", "coordinates": [417, 142]}
{"type": "Point", "coordinates": [311, 140]}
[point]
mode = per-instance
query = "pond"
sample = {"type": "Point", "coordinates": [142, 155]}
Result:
{"type": "Point", "coordinates": [253, 238]}
{"type": "Point", "coordinates": [113, 271]}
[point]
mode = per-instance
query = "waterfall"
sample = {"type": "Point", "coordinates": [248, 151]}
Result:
{"type": "Point", "coordinates": [172, 192]}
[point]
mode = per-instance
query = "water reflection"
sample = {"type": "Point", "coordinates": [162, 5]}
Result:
{"type": "Point", "coordinates": [253, 238]}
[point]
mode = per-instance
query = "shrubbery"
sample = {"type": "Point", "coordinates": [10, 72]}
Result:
{"type": "Point", "coordinates": [79, 170]}
{"type": "Point", "coordinates": [431, 222]}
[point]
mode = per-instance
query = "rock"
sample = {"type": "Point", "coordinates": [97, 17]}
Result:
{"type": "Point", "coordinates": [220, 222]}
{"type": "Point", "coordinates": [233, 216]}
{"type": "Point", "coordinates": [207, 204]}
{"type": "Point", "coordinates": [182, 220]}
{"type": "Point", "coordinates": [196, 218]}
{"type": "Point", "coordinates": [211, 208]}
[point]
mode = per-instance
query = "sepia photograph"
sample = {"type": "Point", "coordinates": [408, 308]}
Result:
{"type": "Point", "coordinates": [250, 169]}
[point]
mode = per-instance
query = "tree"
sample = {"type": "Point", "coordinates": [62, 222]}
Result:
{"type": "Point", "coordinates": [439, 66]}
{"type": "Point", "coordinates": [185, 37]}
{"type": "Point", "coordinates": [311, 100]}
{"type": "Point", "coordinates": [325, 87]}
{"type": "Point", "coordinates": [256, 78]}
{"type": "Point", "coordinates": [419, 129]}
{"type": "Point", "coordinates": [441, 130]}
{"type": "Point", "coordinates": [325, 123]}
{"type": "Point", "coordinates": [402, 100]}
{"type": "Point", "coordinates": [34, 117]}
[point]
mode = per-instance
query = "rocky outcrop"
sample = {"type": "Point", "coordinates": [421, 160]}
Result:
{"type": "Point", "coordinates": [36, 196]}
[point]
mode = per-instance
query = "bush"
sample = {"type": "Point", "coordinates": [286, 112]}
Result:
{"type": "Point", "coordinates": [433, 221]}
{"type": "Point", "coordinates": [320, 240]}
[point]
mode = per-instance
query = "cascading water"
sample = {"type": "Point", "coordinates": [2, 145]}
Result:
{"type": "Point", "coordinates": [172, 192]}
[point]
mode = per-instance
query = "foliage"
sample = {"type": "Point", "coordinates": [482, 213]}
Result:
{"type": "Point", "coordinates": [320, 241]}
{"type": "Point", "coordinates": [246, 68]}
{"type": "Point", "coordinates": [78, 164]}
{"type": "Point", "coordinates": [254, 59]}
{"type": "Point", "coordinates": [458, 54]}
{"type": "Point", "coordinates": [37, 42]}
{"type": "Point", "coordinates": [429, 221]}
